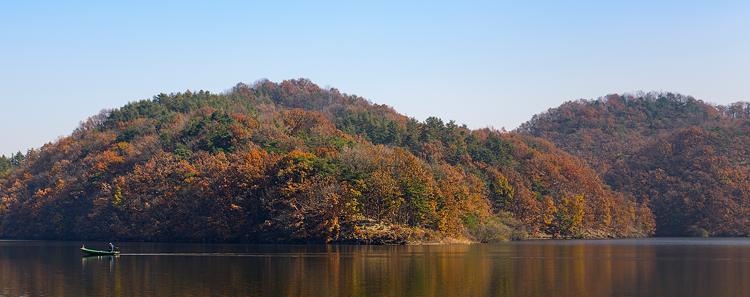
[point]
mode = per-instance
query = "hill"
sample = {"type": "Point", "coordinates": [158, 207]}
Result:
{"type": "Point", "coordinates": [685, 159]}
{"type": "Point", "coordinates": [293, 162]}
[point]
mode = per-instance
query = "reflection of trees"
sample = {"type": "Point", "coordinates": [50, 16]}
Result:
{"type": "Point", "coordinates": [526, 269]}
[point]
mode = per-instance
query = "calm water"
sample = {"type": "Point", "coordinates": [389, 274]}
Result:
{"type": "Point", "coordinates": [643, 267]}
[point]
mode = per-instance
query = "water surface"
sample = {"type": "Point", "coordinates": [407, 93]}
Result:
{"type": "Point", "coordinates": [630, 267]}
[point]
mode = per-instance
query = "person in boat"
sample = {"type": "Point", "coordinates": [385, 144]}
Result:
{"type": "Point", "coordinates": [111, 247]}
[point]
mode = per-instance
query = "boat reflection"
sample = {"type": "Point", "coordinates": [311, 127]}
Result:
{"type": "Point", "coordinates": [98, 261]}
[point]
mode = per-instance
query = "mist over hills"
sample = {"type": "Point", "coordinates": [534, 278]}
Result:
{"type": "Point", "coordinates": [294, 162]}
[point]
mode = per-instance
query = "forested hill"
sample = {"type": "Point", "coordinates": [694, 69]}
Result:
{"type": "Point", "coordinates": [293, 162]}
{"type": "Point", "coordinates": [685, 159]}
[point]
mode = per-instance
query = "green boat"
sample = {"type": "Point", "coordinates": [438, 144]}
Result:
{"type": "Point", "coordinates": [99, 253]}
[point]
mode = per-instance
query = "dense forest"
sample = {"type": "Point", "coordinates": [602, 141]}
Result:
{"type": "Point", "coordinates": [294, 162]}
{"type": "Point", "coordinates": [684, 159]}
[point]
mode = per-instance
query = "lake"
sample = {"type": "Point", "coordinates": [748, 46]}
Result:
{"type": "Point", "coordinates": [625, 267]}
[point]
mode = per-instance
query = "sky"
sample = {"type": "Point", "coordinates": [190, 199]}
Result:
{"type": "Point", "coordinates": [480, 63]}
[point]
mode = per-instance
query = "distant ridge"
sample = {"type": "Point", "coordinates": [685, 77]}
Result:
{"type": "Point", "coordinates": [686, 159]}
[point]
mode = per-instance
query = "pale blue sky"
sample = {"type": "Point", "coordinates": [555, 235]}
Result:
{"type": "Point", "coordinates": [482, 63]}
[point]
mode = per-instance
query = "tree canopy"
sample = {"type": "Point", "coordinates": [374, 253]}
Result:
{"type": "Point", "coordinates": [683, 158]}
{"type": "Point", "coordinates": [293, 162]}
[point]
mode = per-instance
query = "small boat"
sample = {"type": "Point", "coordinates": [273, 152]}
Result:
{"type": "Point", "coordinates": [99, 253]}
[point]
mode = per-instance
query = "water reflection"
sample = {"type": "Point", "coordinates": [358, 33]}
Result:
{"type": "Point", "coordinates": [651, 267]}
